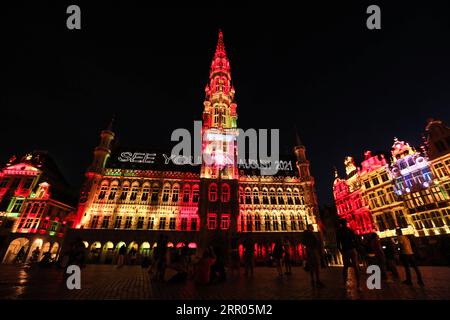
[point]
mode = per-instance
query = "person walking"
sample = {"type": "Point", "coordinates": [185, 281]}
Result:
{"type": "Point", "coordinates": [287, 257]}
{"type": "Point", "coordinates": [202, 273]}
{"type": "Point", "coordinates": [20, 257]}
{"type": "Point", "coordinates": [121, 257]}
{"type": "Point", "coordinates": [347, 243]}
{"type": "Point", "coordinates": [278, 251]}
{"type": "Point", "coordinates": [389, 253]}
{"type": "Point", "coordinates": [313, 254]}
{"type": "Point", "coordinates": [133, 256]}
{"type": "Point", "coordinates": [407, 258]}
{"type": "Point", "coordinates": [249, 256]}
{"type": "Point", "coordinates": [235, 259]}
{"type": "Point", "coordinates": [161, 258]}
{"type": "Point", "coordinates": [378, 254]}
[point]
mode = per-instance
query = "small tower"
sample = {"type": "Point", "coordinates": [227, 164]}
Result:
{"type": "Point", "coordinates": [103, 150]}
{"type": "Point", "coordinates": [302, 161]}
{"type": "Point", "coordinates": [94, 172]}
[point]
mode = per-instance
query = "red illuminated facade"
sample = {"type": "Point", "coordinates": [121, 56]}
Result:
{"type": "Point", "coordinates": [35, 207]}
{"type": "Point", "coordinates": [349, 200]}
{"type": "Point", "coordinates": [132, 196]}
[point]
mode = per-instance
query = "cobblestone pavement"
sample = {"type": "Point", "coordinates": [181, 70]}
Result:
{"type": "Point", "coordinates": [101, 282]}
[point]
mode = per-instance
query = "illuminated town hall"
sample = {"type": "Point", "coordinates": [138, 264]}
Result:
{"type": "Point", "coordinates": [132, 196]}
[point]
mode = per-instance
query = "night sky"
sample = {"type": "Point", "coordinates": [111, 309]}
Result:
{"type": "Point", "coordinates": [346, 88]}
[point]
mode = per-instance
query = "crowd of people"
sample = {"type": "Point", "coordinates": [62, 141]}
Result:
{"type": "Point", "coordinates": [211, 264]}
{"type": "Point", "coordinates": [358, 253]}
{"type": "Point", "coordinates": [369, 250]}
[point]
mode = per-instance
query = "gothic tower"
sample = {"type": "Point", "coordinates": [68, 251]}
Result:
{"type": "Point", "coordinates": [307, 182]}
{"type": "Point", "coordinates": [94, 172]}
{"type": "Point", "coordinates": [218, 207]}
{"type": "Point", "coordinates": [302, 161]}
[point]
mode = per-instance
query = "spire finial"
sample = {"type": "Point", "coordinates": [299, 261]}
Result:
{"type": "Point", "coordinates": [220, 61]}
{"type": "Point", "coordinates": [111, 123]}
{"type": "Point", "coordinates": [220, 49]}
{"type": "Point", "coordinates": [336, 174]}
{"type": "Point", "coordinates": [298, 141]}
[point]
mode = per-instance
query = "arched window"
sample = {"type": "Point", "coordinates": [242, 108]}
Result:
{"type": "Point", "coordinates": [195, 194]}
{"type": "Point", "coordinates": [186, 193]}
{"type": "Point", "coordinates": [103, 189]}
{"type": "Point", "coordinates": [290, 199]}
{"type": "Point", "coordinates": [280, 196]}
{"type": "Point", "coordinates": [134, 191]}
{"type": "Point", "coordinates": [212, 192]}
{"type": "Point", "coordinates": [225, 194]}
{"type": "Point", "coordinates": [267, 223]}
{"type": "Point", "coordinates": [125, 189]}
{"type": "Point", "coordinates": [166, 193]}
{"type": "Point", "coordinates": [255, 196]}
{"type": "Point", "coordinates": [293, 223]}
{"type": "Point", "coordinates": [249, 223]}
{"type": "Point", "coordinates": [257, 222]}
{"type": "Point", "coordinates": [155, 193]}
{"type": "Point", "coordinates": [265, 196]}
{"type": "Point", "coordinates": [273, 199]}
{"type": "Point", "coordinates": [175, 193]}
{"type": "Point", "coordinates": [241, 196]}
{"type": "Point", "coordinates": [301, 223]}
{"type": "Point", "coordinates": [248, 196]}
{"type": "Point", "coordinates": [212, 221]}
{"type": "Point", "coordinates": [216, 113]}
{"type": "Point", "coordinates": [242, 217]}
{"type": "Point", "coordinates": [283, 222]}
{"type": "Point", "coordinates": [113, 191]}
{"type": "Point", "coordinates": [296, 196]}
{"type": "Point", "coordinates": [275, 222]}
{"type": "Point", "coordinates": [145, 192]}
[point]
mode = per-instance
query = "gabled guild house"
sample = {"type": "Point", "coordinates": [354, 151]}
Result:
{"type": "Point", "coordinates": [37, 207]}
{"type": "Point", "coordinates": [410, 190]}
{"type": "Point", "coordinates": [133, 195]}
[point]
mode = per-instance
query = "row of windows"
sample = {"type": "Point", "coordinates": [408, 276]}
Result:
{"type": "Point", "coordinates": [150, 223]}
{"type": "Point", "coordinates": [380, 198]}
{"type": "Point", "coordinates": [376, 180]}
{"type": "Point", "coordinates": [433, 219]}
{"type": "Point", "coordinates": [146, 193]}
{"type": "Point", "coordinates": [271, 196]}
{"type": "Point", "coordinates": [46, 224]}
{"type": "Point", "coordinates": [172, 195]}
{"type": "Point", "coordinates": [271, 222]}
{"type": "Point", "coordinates": [224, 221]}
{"type": "Point", "coordinates": [424, 197]}
{"type": "Point", "coordinates": [442, 169]}
{"type": "Point", "coordinates": [390, 221]}
{"type": "Point", "coordinates": [349, 204]}
{"type": "Point", "coordinates": [361, 222]}
{"type": "Point", "coordinates": [416, 178]}
{"type": "Point", "coordinates": [13, 183]}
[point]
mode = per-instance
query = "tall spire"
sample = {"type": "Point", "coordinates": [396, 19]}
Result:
{"type": "Point", "coordinates": [219, 116]}
{"type": "Point", "coordinates": [220, 49]}
{"type": "Point", "coordinates": [220, 61]}
{"type": "Point", "coordinates": [298, 141]}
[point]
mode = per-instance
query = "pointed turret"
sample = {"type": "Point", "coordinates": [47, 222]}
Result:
{"type": "Point", "coordinates": [111, 123]}
{"type": "Point", "coordinates": [103, 150]}
{"type": "Point", "coordinates": [219, 74]}
{"type": "Point", "coordinates": [302, 161]}
{"type": "Point", "coordinates": [220, 61]}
